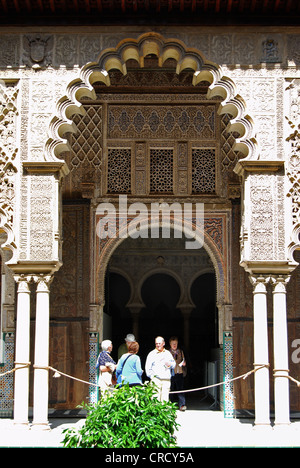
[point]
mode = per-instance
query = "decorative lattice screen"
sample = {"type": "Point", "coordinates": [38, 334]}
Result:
{"type": "Point", "coordinates": [119, 172]}
{"type": "Point", "coordinates": [203, 170]}
{"type": "Point", "coordinates": [161, 170]}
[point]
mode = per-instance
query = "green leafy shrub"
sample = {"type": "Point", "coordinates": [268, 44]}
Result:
{"type": "Point", "coordinates": [130, 417]}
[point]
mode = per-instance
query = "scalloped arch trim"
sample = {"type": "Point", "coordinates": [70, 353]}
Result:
{"type": "Point", "coordinates": [138, 49]}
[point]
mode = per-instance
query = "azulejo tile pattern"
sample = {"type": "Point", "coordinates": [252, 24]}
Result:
{"type": "Point", "coordinates": [93, 348]}
{"type": "Point", "coordinates": [228, 374]}
{"type": "Point", "coordinates": [7, 381]}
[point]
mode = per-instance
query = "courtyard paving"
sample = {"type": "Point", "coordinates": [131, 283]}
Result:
{"type": "Point", "coordinates": [197, 429]}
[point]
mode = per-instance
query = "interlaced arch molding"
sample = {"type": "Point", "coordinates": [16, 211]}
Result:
{"type": "Point", "coordinates": [218, 261]}
{"type": "Point", "coordinates": [138, 49]}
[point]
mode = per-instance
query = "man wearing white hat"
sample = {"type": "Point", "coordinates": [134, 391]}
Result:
{"type": "Point", "coordinates": [123, 348]}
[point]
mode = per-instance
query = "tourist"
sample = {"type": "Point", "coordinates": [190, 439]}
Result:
{"type": "Point", "coordinates": [106, 366]}
{"type": "Point", "coordinates": [129, 368]}
{"type": "Point", "coordinates": [177, 379]}
{"type": "Point", "coordinates": [159, 364]}
{"type": "Point", "coordinates": [123, 348]}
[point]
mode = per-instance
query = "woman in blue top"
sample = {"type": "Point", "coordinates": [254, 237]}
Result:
{"type": "Point", "coordinates": [129, 368]}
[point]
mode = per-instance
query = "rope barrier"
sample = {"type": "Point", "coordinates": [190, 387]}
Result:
{"type": "Point", "coordinates": [23, 365]}
{"type": "Point", "coordinates": [62, 373]}
{"type": "Point", "coordinates": [243, 376]}
{"type": "Point", "coordinates": [285, 375]}
{"type": "Point", "coordinates": [58, 373]}
{"type": "Point", "coordinates": [294, 380]}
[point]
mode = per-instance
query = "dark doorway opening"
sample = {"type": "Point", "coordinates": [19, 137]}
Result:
{"type": "Point", "coordinates": [203, 345]}
{"type": "Point", "coordinates": [160, 316]}
{"type": "Point", "coordinates": [116, 314]}
{"type": "Point", "coordinates": [161, 312]}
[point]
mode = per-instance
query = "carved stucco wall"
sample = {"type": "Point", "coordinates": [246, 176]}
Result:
{"type": "Point", "coordinates": [37, 72]}
{"type": "Point", "coordinates": [261, 65]}
{"type": "Point", "coordinates": [292, 129]}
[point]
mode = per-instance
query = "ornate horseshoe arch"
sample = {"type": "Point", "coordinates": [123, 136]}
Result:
{"type": "Point", "coordinates": [210, 246]}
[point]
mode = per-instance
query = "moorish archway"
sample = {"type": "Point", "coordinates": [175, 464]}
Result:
{"type": "Point", "coordinates": [96, 78]}
{"type": "Point", "coordinates": [114, 68]}
{"type": "Point", "coordinates": [138, 51]}
{"type": "Point", "coordinates": [99, 74]}
{"type": "Point", "coordinates": [156, 287]}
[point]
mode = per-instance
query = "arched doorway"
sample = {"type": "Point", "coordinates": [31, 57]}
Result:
{"type": "Point", "coordinates": [204, 343]}
{"type": "Point", "coordinates": [156, 287]}
{"type": "Point", "coordinates": [116, 316]}
{"type": "Point", "coordinates": [160, 316]}
{"type": "Point", "coordinates": [204, 317]}
{"type": "Point", "coordinates": [154, 133]}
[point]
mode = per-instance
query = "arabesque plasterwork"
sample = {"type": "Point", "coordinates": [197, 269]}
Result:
{"type": "Point", "coordinates": [72, 127]}
{"type": "Point", "coordinates": [54, 101]}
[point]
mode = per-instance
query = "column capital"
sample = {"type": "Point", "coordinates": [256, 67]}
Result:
{"type": "Point", "coordinates": [43, 282]}
{"type": "Point", "coordinates": [279, 283]}
{"type": "Point", "coordinates": [23, 281]}
{"type": "Point", "coordinates": [186, 309]}
{"type": "Point", "coordinates": [259, 283]}
{"type": "Point", "coordinates": [135, 308]}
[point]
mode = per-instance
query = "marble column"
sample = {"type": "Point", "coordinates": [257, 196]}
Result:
{"type": "Point", "coordinates": [186, 310]}
{"type": "Point", "coordinates": [21, 386]}
{"type": "Point", "coordinates": [280, 343]}
{"type": "Point", "coordinates": [135, 310]}
{"type": "Point", "coordinates": [261, 352]}
{"type": "Point", "coordinates": [41, 354]}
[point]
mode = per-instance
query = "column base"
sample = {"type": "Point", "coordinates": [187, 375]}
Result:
{"type": "Point", "coordinates": [283, 425]}
{"type": "Point", "coordinates": [40, 426]}
{"type": "Point", "coordinates": [21, 425]}
{"type": "Point", "coordinates": [265, 425]}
